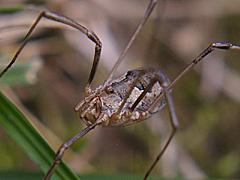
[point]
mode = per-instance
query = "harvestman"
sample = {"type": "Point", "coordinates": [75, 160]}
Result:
{"type": "Point", "coordinates": [125, 100]}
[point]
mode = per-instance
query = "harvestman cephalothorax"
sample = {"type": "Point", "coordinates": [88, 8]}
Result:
{"type": "Point", "coordinates": [124, 100]}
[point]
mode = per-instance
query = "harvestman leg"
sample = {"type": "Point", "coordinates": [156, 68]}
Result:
{"type": "Point", "coordinates": [195, 61]}
{"type": "Point", "coordinates": [129, 92]}
{"type": "Point", "coordinates": [174, 126]}
{"type": "Point", "coordinates": [173, 116]}
{"type": "Point", "coordinates": [67, 21]}
{"type": "Point", "coordinates": [142, 95]}
{"type": "Point", "coordinates": [151, 6]}
{"type": "Point", "coordinates": [200, 57]}
{"type": "Point", "coordinates": [93, 37]}
{"type": "Point", "coordinates": [65, 146]}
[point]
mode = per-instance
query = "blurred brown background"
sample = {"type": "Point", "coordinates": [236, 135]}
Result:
{"type": "Point", "coordinates": [207, 100]}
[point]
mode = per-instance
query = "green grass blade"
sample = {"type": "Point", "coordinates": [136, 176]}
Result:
{"type": "Point", "coordinates": [24, 133]}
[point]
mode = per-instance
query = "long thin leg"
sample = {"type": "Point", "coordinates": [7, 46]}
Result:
{"type": "Point", "coordinates": [204, 53]}
{"type": "Point", "coordinates": [142, 95]}
{"type": "Point", "coordinates": [148, 12]}
{"type": "Point", "coordinates": [174, 125]}
{"type": "Point", "coordinates": [138, 100]}
{"type": "Point", "coordinates": [129, 92]}
{"type": "Point", "coordinates": [173, 117]}
{"type": "Point", "coordinates": [64, 147]}
{"type": "Point", "coordinates": [67, 21]}
{"type": "Point", "coordinates": [200, 57]}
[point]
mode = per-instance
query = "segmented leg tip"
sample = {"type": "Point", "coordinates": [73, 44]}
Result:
{"type": "Point", "coordinates": [235, 47]}
{"type": "Point", "coordinates": [222, 45]}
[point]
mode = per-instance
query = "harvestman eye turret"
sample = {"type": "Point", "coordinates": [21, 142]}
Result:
{"type": "Point", "coordinates": [127, 99]}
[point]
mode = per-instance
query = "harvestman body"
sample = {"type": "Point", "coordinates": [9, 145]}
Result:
{"type": "Point", "coordinates": [125, 100]}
